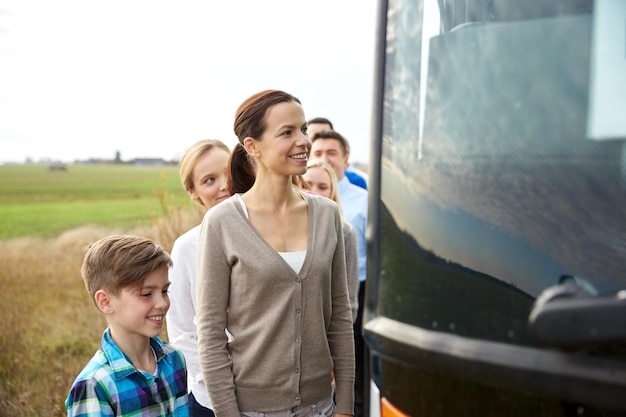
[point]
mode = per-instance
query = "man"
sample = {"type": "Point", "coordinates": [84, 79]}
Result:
{"type": "Point", "coordinates": [318, 124]}
{"type": "Point", "coordinates": [332, 148]}
{"type": "Point", "coordinates": [355, 176]}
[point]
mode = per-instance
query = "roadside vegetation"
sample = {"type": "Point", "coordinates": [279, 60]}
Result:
{"type": "Point", "coordinates": [49, 327]}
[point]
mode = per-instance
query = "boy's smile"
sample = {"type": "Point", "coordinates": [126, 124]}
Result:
{"type": "Point", "coordinates": [141, 311]}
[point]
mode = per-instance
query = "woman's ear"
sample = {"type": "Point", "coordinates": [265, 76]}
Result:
{"type": "Point", "coordinates": [103, 301]}
{"type": "Point", "coordinates": [250, 145]}
{"type": "Point", "coordinates": [193, 195]}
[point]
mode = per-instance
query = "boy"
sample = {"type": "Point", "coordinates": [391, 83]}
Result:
{"type": "Point", "coordinates": [134, 372]}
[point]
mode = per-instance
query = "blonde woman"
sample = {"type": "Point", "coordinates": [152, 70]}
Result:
{"type": "Point", "coordinates": [320, 179]}
{"type": "Point", "coordinates": [203, 175]}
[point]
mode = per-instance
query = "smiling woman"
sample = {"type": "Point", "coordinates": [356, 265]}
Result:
{"type": "Point", "coordinates": [272, 273]}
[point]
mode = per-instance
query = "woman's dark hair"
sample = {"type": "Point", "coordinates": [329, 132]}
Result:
{"type": "Point", "coordinates": [250, 122]}
{"type": "Point", "coordinates": [241, 172]}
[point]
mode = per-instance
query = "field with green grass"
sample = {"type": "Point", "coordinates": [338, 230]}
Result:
{"type": "Point", "coordinates": [38, 202]}
{"type": "Point", "coordinates": [50, 327]}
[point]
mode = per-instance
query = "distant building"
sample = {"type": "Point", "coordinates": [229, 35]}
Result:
{"type": "Point", "coordinates": [149, 161]}
{"type": "Point", "coordinates": [57, 166]}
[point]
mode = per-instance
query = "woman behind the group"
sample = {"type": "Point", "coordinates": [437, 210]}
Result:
{"type": "Point", "coordinates": [320, 178]}
{"type": "Point", "coordinates": [271, 272]}
{"type": "Point", "coordinates": [203, 175]}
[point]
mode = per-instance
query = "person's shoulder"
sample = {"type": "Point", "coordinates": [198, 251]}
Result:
{"type": "Point", "coordinates": [323, 209]}
{"type": "Point", "coordinates": [351, 175]}
{"type": "Point", "coordinates": [191, 236]}
{"type": "Point", "coordinates": [224, 215]}
{"type": "Point", "coordinates": [225, 208]}
{"type": "Point", "coordinates": [348, 229]}
{"type": "Point", "coordinates": [347, 186]}
{"type": "Point", "coordinates": [357, 189]}
{"type": "Point", "coordinates": [95, 383]}
{"type": "Point", "coordinates": [356, 179]}
{"type": "Point", "coordinates": [358, 171]}
{"type": "Point", "coordinates": [319, 201]}
{"type": "Point", "coordinates": [167, 349]}
{"type": "Point", "coordinates": [96, 371]}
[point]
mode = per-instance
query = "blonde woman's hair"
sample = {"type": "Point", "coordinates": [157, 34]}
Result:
{"type": "Point", "coordinates": [334, 192]}
{"type": "Point", "coordinates": [191, 157]}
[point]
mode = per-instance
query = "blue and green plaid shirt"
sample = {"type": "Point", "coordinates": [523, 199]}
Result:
{"type": "Point", "coordinates": [111, 386]}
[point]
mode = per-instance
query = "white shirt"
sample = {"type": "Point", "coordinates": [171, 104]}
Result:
{"type": "Point", "coordinates": [181, 317]}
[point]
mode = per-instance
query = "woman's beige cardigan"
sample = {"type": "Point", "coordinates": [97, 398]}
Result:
{"type": "Point", "coordinates": [289, 330]}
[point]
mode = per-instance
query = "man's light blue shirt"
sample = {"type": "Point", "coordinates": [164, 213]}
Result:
{"type": "Point", "coordinates": [354, 206]}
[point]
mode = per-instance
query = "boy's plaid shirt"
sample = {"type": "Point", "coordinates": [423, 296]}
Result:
{"type": "Point", "coordinates": [111, 386]}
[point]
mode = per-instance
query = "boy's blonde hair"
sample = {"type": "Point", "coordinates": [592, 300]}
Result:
{"type": "Point", "coordinates": [116, 262]}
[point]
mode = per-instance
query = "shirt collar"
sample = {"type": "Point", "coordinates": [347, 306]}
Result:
{"type": "Point", "coordinates": [120, 365]}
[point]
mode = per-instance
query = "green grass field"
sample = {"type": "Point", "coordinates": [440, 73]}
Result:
{"type": "Point", "coordinates": [38, 202]}
{"type": "Point", "coordinates": [50, 327]}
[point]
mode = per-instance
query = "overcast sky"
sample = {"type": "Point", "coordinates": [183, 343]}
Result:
{"type": "Point", "coordinates": [86, 78]}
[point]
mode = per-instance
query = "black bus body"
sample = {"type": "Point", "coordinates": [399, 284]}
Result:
{"type": "Point", "coordinates": [497, 221]}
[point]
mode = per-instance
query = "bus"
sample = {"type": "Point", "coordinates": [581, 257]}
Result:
{"type": "Point", "coordinates": [496, 269]}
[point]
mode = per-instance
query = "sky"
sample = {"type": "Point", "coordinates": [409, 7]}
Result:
{"type": "Point", "coordinates": [85, 79]}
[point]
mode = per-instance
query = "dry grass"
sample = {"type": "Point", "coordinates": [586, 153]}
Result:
{"type": "Point", "coordinates": [50, 328]}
